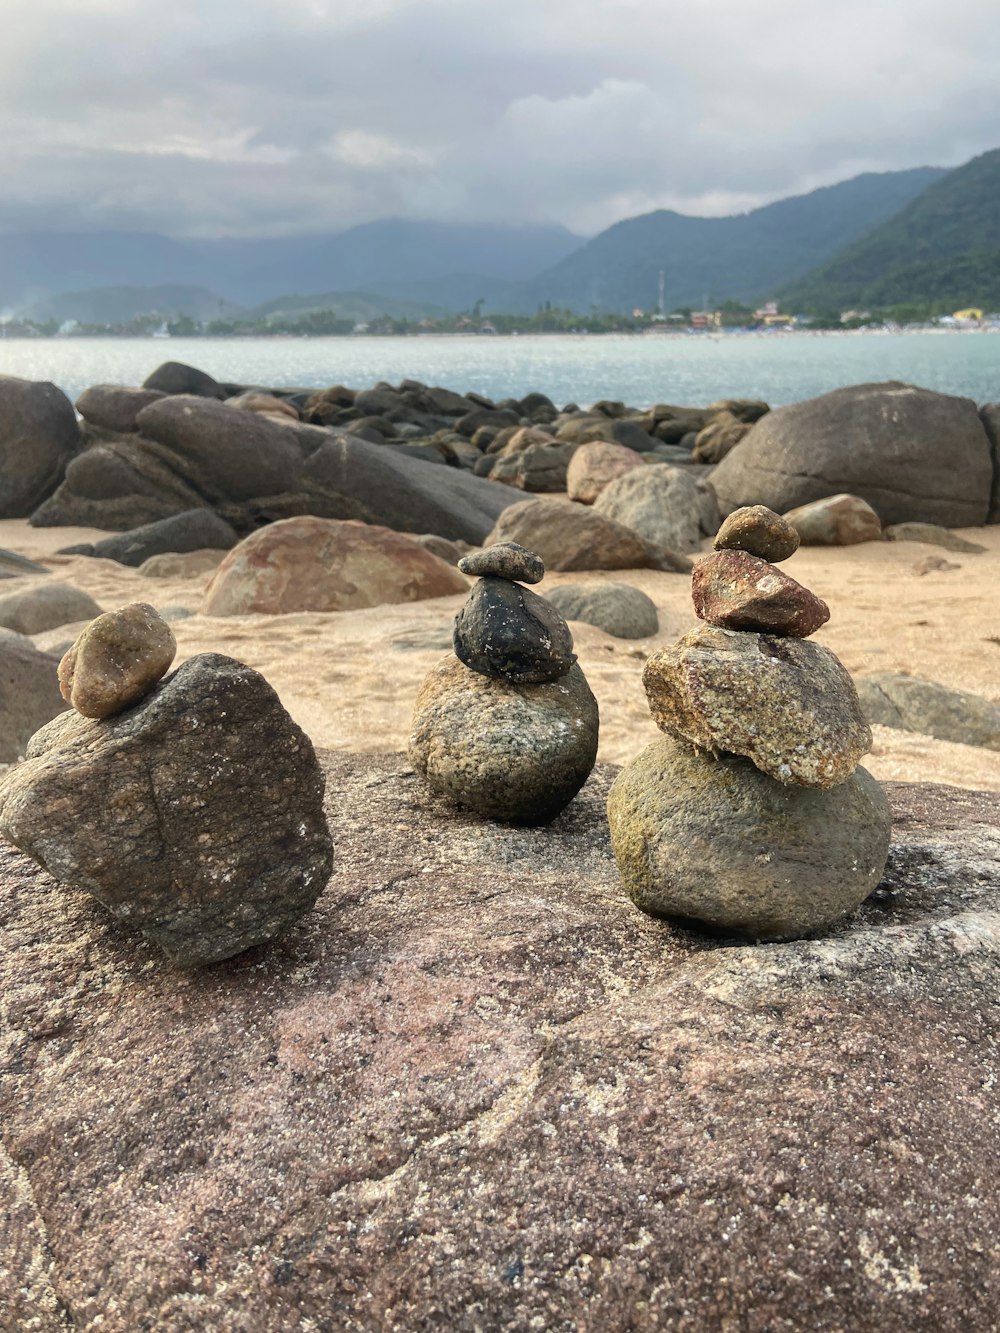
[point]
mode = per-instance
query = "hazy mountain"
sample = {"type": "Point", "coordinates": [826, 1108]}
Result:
{"type": "Point", "coordinates": [357, 306]}
{"type": "Point", "coordinates": [118, 305]}
{"type": "Point", "coordinates": [40, 264]}
{"type": "Point", "coordinates": [708, 260]}
{"type": "Point", "coordinates": [944, 247]}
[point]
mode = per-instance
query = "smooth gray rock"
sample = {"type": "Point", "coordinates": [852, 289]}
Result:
{"type": "Point", "coordinates": [115, 406]}
{"type": "Point", "coordinates": [660, 502]}
{"type": "Point", "coordinates": [173, 377]}
{"type": "Point", "coordinates": [193, 530]}
{"type": "Point", "coordinates": [912, 454]}
{"type": "Point", "coordinates": [38, 437]}
{"type": "Point", "coordinates": [29, 693]}
{"type": "Point", "coordinates": [39, 606]}
{"type": "Point", "coordinates": [616, 608]}
{"type": "Point", "coordinates": [713, 839]}
{"type": "Point", "coordinates": [911, 704]}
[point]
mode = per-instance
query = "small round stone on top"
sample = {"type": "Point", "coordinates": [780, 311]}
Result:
{"type": "Point", "coordinates": [759, 531]}
{"type": "Point", "coordinates": [504, 560]}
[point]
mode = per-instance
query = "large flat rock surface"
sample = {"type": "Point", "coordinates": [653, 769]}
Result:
{"type": "Point", "coordinates": [477, 1089]}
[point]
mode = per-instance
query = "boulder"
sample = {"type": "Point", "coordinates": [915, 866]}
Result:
{"type": "Point", "coordinates": [37, 606]}
{"type": "Point", "coordinates": [38, 436]}
{"type": "Point", "coordinates": [485, 416]}
{"type": "Point", "coordinates": [838, 520]}
{"type": "Point", "coordinates": [908, 703]}
{"type": "Point", "coordinates": [275, 409]}
{"type": "Point", "coordinates": [29, 697]}
{"type": "Point", "coordinates": [719, 438]}
{"type": "Point", "coordinates": [931, 535]}
{"type": "Point", "coordinates": [714, 840]}
{"type": "Point", "coordinates": [457, 1081]}
{"type": "Point", "coordinates": [913, 455]}
{"type": "Point", "coordinates": [616, 608]}
{"type": "Point", "coordinates": [512, 752]}
{"type": "Point", "coordinates": [114, 406]}
{"type": "Point", "coordinates": [786, 704]}
{"type": "Point", "coordinates": [119, 482]}
{"type": "Point", "coordinates": [14, 566]}
{"type": "Point", "coordinates": [185, 565]}
{"type": "Point", "coordinates": [990, 416]}
{"type": "Point", "coordinates": [193, 530]}
{"type": "Point", "coordinates": [195, 817]}
{"type": "Point", "coordinates": [225, 454]}
{"type": "Point", "coordinates": [538, 467]}
{"type": "Point", "coordinates": [594, 466]}
{"type": "Point", "coordinates": [347, 478]}
{"type": "Point", "coordinates": [318, 564]}
{"type": "Point", "coordinates": [570, 536]}
{"type": "Point", "coordinates": [743, 409]}
{"type": "Point", "coordinates": [661, 503]}
{"type": "Point", "coordinates": [173, 377]}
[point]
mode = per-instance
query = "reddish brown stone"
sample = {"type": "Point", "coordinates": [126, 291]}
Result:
{"type": "Point", "coordinates": [739, 591]}
{"type": "Point", "coordinates": [477, 1088]}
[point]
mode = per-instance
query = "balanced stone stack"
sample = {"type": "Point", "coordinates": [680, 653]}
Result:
{"type": "Point", "coordinates": [751, 814]}
{"type": "Point", "coordinates": [190, 806]}
{"type": "Point", "coordinates": [507, 726]}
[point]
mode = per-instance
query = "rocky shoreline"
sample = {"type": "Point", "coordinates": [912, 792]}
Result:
{"type": "Point", "coordinates": [462, 1079]}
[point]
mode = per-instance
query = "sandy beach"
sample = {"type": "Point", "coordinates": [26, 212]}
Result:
{"type": "Point", "coordinates": [350, 678]}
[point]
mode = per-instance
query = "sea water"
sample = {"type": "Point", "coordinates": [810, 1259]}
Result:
{"type": "Point", "coordinates": [638, 369]}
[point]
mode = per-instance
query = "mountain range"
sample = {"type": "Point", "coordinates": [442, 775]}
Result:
{"type": "Point", "coordinates": [943, 248]}
{"type": "Point", "coordinates": [877, 239]}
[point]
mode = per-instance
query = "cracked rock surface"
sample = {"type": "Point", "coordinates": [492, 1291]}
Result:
{"type": "Point", "coordinates": [476, 1088]}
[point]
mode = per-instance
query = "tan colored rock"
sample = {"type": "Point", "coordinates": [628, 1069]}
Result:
{"type": "Point", "coordinates": [595, 465]}
{"type": "Point", "coordinates": [838, 520]}
{"type": "Point", "coordinates": [931, 534]}
{"type": "Point", "coordinates": [713, 839]}
{"type": "Point", "coordinates": [37, 605]}
{"type": "Point", "coordinates": [181, 564]}
{"type": "Point", "coordinates": [117, 660]}
{"type": "Point", "coordinates": [572, 536]}
{"type": "Point", "coordinates": [266, 404]}
{"type": "Point", "coordinates": [760, 531]}
{"type": "Point", "coordinates": [737, 590]}
{"type": "Point", "coordinates": [320, 564]}
{"type": "Point", "coordinates": [786, 704]}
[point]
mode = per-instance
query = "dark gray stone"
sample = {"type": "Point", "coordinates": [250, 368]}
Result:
{"type": "Point", "coordinates": [193, 530]}
{"type": "Point", "coordinates": [504, 560]}
{"type": "Point", "coordinates": [616, 608]}
{"type": "Point", "coordinates": [913, 455]}
{"type": "Point", "coordinates": [173, 377]}
{"type": "Point", "coordinates": [509, 632]}
{"type": "Point", "coordinates": [38, 437]}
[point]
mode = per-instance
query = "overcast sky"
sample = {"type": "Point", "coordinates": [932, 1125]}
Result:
{"type": "Point", "coordinates": [271, 117]}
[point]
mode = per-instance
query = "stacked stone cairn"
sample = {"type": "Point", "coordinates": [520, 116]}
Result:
{"type": "Point", "coordinates": [507, 725]}
{"type": "Point", "coordinates": [750, 814]}
{"type": "Point", "coordinates": [190, 806]}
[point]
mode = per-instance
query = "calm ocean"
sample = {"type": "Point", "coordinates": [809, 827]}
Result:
{"type": "Point", "coordinates": [639, 370]}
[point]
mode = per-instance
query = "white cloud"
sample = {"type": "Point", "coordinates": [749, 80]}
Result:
{"type": "Point", "coordinates": [304, 114]}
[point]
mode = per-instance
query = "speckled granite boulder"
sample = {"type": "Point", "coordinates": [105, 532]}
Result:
{"type": "Point", "coordinates": [507, 751]}
{"type": "Point", "coordinates": [194, 817]}
{"type": "Point", "coordinates": [786, 704]}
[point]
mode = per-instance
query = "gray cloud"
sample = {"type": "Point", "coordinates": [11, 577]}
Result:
{"type": "Point", "coordinates": [280, 116]}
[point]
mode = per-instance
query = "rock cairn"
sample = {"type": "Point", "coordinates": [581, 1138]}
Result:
{"type": "Point", "coordinates": [507, 725]}
{"type": "Point", "coordinates": [191, 806]}
{"type": "Point", "coordinates": [751, 814]}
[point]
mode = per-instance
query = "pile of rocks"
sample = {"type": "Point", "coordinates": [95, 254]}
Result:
{"type": "Point", "coordinates": [507, 725]}
{"type": "Point", "coordinates": [751, 813]}
{"type": "Point", "coordinates": [191, 807]}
